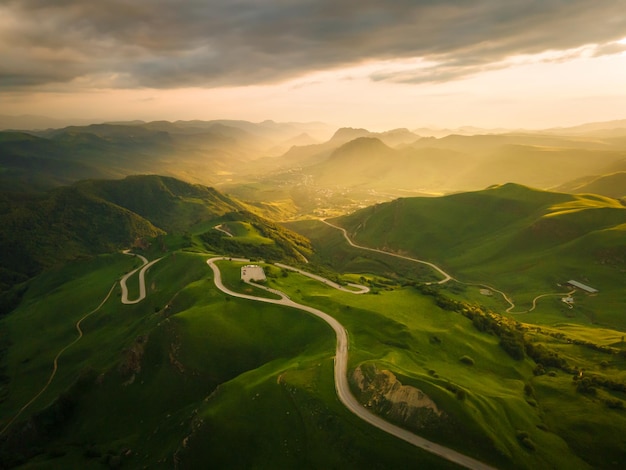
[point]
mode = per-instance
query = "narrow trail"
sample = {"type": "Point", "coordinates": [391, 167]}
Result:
{"type": "Point", "coordinates": [448, 277]}
{"type": "Point", "coordinates": [55, 365]}
{"type": "Point", "coordinates": [342, 386]}
{"type": "Point", "coordinates": [534, 305]}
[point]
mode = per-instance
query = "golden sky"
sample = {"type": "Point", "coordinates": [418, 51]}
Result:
{"type": "Point", "coordinates": [373, 64]}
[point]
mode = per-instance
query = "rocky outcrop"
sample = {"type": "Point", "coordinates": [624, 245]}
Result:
{"type": "Point", "coordinates": [383, 393]}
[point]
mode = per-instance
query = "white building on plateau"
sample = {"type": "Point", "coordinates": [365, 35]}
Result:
{"type": "Point", "coordinates": [252, 272]}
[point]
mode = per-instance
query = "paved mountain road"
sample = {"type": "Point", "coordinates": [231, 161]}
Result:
{"type": "Point", "coordinates": [341, 374]}
{"type": "Point", "coordinates": [446, 276]}
{"type": "Point", "coordinates": [142, 279]}
{"type": "Point", "coordinates": [359, 289]}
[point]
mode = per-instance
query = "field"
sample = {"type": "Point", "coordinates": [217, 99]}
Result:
{"type": "Point", "coordinates": [174, 369]}
{"type": "Point", "coordinates": [191, 375]}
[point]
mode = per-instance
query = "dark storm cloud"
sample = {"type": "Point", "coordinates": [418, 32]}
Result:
{"type": "Point", "coordinates": [173, 43]}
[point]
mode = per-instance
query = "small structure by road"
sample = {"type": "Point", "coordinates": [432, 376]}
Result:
{"type": "Point", "coordinates": [252, 272]}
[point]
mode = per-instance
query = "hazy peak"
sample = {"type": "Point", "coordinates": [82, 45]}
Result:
{"type": "Point", "coordinates": [346, 134]}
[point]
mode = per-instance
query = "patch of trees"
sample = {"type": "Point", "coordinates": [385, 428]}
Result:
{"type": "Point", "coordinates": [588, 382]}
{"type": "Point", "coordinates": [545, 357]}
{"type": "Point", "coordinates": [59, 226]}
{"type": "Point", "coordinates": [459, 393]}
{"type": "Point", "coordinates": [510, 332]}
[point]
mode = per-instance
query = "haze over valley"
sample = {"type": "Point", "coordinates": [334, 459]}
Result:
{"type": "Point", "coordinates": [312, 234]}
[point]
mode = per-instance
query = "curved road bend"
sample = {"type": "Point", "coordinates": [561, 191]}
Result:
{"type": "Point", "coordinates": [220, 229]}
{"type": "Point", "coordinates": [142, 279]}
{"type": "Point", "coordinates": [359, 288]}
{"type": "Point", "coordinates": [341, 377]}
{"type": "Point", "coordinates": [55, 365]}
{"type": "Point", "coordinates": [446, 276]}
{"type": "Point", "coordinates": [534, 306]}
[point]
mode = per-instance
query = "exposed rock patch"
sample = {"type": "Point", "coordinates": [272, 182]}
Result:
{"type": "Point", "coordinates": [383, 393]}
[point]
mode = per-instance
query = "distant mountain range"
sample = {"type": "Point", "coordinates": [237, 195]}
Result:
{"type": "Point", "coordinates": [306, 158]}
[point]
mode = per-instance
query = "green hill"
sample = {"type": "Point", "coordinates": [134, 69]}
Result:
{"type": "Point", "coordinates": [190, 376]}
{"type": "Point", "coordinates": [455, 163]}
{"type": "Point", "coordinates": [38, 231]}
{"type": "Point", "coordinates": [168, 203]}
{"type": "Point", "coordinates": [522, 240]}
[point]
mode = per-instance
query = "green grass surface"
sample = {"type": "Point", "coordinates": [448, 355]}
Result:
{"type": "Point", "coordinates": [205, 356]}
{"type": "Point", "coordinates": [195, 375]}
{"type": "Point", "coordinates": [247, 233]}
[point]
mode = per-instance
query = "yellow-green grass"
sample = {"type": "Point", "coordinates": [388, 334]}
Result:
{"type": "Point", "coordinates": [332, 251]}
{"type": "Point", "coordinates": [522, 241]}
{"type": "Point", "coordinates": [583, 421]}
{"type": "Point", "coordinates": [231, 277]}
{"type": "Point", "coordinates": [395, 330]}
{"type": "Point", "coordinates": [199, 339]}
{"type": "Point", "coordinates": [45, 323]}
{"type": "Point", "coordinates": [246, 232]}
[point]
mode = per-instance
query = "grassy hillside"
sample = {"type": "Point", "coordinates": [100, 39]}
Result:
{"type": "Point", "coordinates": [40, 231]}
{"type": "Point", "coordinates": [521, 240]}
{"type": "Point", "coordinates": [30, 163]}
{"type": "Point", "coordinates": [188, 377]}
{"type": "Point", "coordinates": [100, 216]}
{"type": "Point", "coordinates": [191, 376]}
{"type": "Point", "coordinates": [170, 204]}
{"type": "Point", "coordinates": [205, 152]}
{"type": "Point", "coordinates": [456, 162]}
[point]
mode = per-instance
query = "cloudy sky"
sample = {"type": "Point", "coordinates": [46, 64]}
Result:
{"type": "Point", "coordinates": [376, 64]}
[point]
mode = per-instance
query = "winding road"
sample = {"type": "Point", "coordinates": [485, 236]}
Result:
{"type": "Point", "coordinates": [142, 279]}
{"type": "Point", "coordinates": [446, 276]}
{"type": "Point", "coordinates": [55, 364]}
{"type": "Point", "coordinates": [341, 374]}
{"type": "Point", "coordinates": [220, 229]}
{"type": "Point", "coordinates": [359, 288]}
